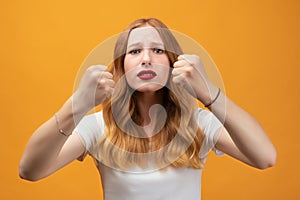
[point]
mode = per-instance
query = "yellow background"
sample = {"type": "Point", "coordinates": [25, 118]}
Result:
{"type": "Point", "coordinates": [255, 44]}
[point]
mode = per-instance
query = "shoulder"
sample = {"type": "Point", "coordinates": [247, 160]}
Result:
{"type": "Point", "coordinates": [91, 121]}
{"type": "Point", "coordinates": [206, 119]}
{"type": "Point", "coordinates": [91, 128]}
{"type": "Point", "coordinates": [210, 126]}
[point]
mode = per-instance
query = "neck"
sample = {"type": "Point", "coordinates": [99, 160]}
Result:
{"type": "Point", "coordinates": [144, 102]}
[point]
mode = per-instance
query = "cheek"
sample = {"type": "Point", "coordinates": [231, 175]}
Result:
{"type": "Point", "coordinates": [130, 63]}
{"type": "Point", "coordinates": [127, 64]}
{"type": "Point", "coordinates": [166, 74]}
{"type": "Point", "coordinates": [128, 69]}
{"type": "Point", "coordinates": [167, 68]}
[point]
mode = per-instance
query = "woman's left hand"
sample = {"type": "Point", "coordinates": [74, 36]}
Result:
{"type": "Point", "coordinates": [189, 72]}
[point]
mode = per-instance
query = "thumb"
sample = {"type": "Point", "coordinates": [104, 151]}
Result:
{"type": "Point", "coordinates": [100, 67]}
{"type": "Point", "coordinates": [184, 57]}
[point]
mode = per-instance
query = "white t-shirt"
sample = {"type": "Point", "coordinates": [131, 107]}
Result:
{"type": "Point", "coordinates": [170, 183]}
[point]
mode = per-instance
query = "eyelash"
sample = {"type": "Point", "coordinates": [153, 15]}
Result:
{"type": "Point", "coordinates": [134, 51]}
{"type": "Point", "coordinates": [161, 51]}
{"type": "Point", "coordinates": [155, 50]}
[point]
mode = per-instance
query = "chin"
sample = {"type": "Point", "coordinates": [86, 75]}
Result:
{"type": "Point", "coordinates": [149, 88]}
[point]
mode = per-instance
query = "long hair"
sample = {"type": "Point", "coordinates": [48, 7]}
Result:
{"type": "Point", "coordinates": [178, 142]}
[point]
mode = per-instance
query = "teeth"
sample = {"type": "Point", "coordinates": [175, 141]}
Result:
{"type": "Point", "coordinates": [146, 74]}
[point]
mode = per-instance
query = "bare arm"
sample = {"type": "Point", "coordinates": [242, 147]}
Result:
{"type": "Point", "coordinates": [48, 150]}
{"type": "Point", "coordinates": [46, 144]}
{"type": "Point", "coordinates": [243, 138]}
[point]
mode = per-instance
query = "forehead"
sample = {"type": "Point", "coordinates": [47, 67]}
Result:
{"type": "Point", "coordinates": [144, 35]}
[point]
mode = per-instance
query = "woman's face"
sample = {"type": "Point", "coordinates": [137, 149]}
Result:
{"type": "Point", "coordinates": [146, 64]}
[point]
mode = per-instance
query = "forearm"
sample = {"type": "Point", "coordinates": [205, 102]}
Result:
{"type": "Point", "coordinates": [46, 142]}
{"type": "Point", "coordinates": [245, 131]}
{"type": "Point", "coordinates": [250, 143]}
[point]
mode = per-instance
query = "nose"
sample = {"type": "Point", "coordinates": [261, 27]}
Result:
{"type": "Point", "coordinates": [146, 60]}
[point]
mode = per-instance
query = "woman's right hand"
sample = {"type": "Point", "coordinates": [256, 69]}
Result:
{"type": "Point", "coordinates": [95, 86]}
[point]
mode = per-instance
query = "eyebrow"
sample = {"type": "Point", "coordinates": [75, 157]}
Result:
{"type": "Point", "coordinates": [141, 44]}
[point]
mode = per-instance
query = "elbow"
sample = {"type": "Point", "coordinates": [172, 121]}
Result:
{"type": "Point", "coordinates": [25, 174]}
{"type": "Point", "coordinates": [266, 165]}
{"type": "Point", "coordinates": [269, 161]}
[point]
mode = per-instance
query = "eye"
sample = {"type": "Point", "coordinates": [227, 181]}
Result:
{"type": "Point", "coordinates": [134, 51]}
{"type": "Point", "coordinates": [158, 51]}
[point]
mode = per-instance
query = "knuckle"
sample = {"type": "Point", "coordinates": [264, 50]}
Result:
{"type": "Point", "coordinates": [107, 91]}
{"type": "Point", "coordinates": [175, 72]}
{"type": "Point", "coordinates": [189, 71]}
{"type": "Point", "coordinates": [113, 83]}
{"type": "Point", "coordinates": [90, 68]}
{"type": "Point", "coordinates": [175, 80]}
{"type": "Point", "coordinates": [102, 82]}
{"type": "Point", "coordinates": [96, 75]}
{"type": "Point", "coordinates": [197, 58]}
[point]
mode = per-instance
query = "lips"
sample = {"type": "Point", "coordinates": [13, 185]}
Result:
{"type": "Point", "coordinates": [146, 74]}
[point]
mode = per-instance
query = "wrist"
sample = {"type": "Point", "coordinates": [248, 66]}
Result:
{"type": "Point", "coordinates": [212, 101]}
{"type": "Point", "coordinates": [208, 96]}
{"type": "Point", "coordinates": [66, 118]}
{"type": "Point", "coordinates": [79, 108]}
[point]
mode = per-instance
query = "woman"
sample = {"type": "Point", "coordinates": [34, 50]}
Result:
{"type": "Point", "coordinates": [149, 138]}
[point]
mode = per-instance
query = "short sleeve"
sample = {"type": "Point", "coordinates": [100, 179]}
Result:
{"type": "Point", "coordinates": [210, 125]}
{"type": "Point", "coordinates": [90, 129]}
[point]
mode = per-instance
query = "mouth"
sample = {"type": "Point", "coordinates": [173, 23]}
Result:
{"type": "Point", "coordinates": [146, 74]}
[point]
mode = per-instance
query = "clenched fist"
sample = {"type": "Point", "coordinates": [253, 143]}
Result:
{"type": "Point", "coordinates": [95, 86]}
{"type": "Point", "coordinates": [190, 73]}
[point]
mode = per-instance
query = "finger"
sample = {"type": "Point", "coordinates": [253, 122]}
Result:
{"type": "Point", "coordinates": [97, 71]}
{"type": "Point", "coordinates": [110, 83]}
{"type": "Point", "coordinates": [185, 57]}
{"type": "Point", "coordinates": [180, 57]}
{"type": "Point", "coordinates": [99, 75]}
{"type": "Point", "coordinates": [106, 83]}
{"type": "Point", "coordinates": [95, 68]}
{"type": "Point", "coordinates": [180, 63]}
{"type": "Point", "coordinates": [181, 81]}
{"type": "Point", "coordinates": [107, 75]}
{"type": "Point", "coordinates": [186, 71]}
{"type": "Point", "coordinates": [176, 71]}
{"type": "Point", "coordinates": [98, 67]}
{"type": "Point", "coordinates": [109, 92]}
{"type": "Point", "coordinates": [178, 79]}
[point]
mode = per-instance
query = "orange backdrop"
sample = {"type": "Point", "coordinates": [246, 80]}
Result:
{"type": "Point", "coordinates": [255, 44]}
